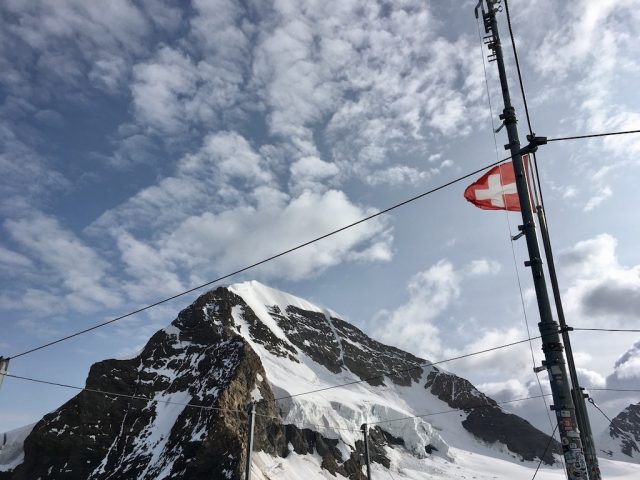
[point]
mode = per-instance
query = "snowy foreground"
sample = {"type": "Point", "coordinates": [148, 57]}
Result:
{"type": "Point", "coordinates": [467, 465]}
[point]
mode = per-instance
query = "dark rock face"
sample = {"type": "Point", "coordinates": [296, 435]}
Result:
{"type": "Point", "coordinates": [378, 440]}
{"type": "Point", "coordinates": [311, 332]}
{"type": "Point", "coordinates": [367, 358]}
{"type": "Point", "coordinates": [261, 334]}
{"type": "Point", "coordinates": [492, 424]}
{"type": "Point", "coordinates": [306, 441]}
{"type": "Point", "coordinates": [456, 391]}
{"type": "Point", "coordinates": [336, 344]}
{"type": "Point", "coordinates": [626, 428]}
{"type": "Point", "coordinates": [200, 361]}
{"type": "Point", "coordinates": [487, 421]}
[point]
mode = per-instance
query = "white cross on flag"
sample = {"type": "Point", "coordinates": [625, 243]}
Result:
{"type": "Point", "coordinates": [496, 189]}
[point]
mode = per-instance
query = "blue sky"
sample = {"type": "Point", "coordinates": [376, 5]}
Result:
{"type": "Point", "coordinates": [148, 148]}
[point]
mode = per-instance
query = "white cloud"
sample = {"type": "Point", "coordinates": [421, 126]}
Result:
{"type": "Point", "coordinates": [403, 174]}
{"type": "Point", "coordinates": [599, 287]}
{"type": "Point", "coordinates": [569, 192]}
{"type": "Point", "coordinates": [482, 267]}
{"type": "Point", "coordinates": [311, 173]}
{"type": "Point", "coordinates": [313, 167]}
{"type": "Point", "coordinates": [506, 362]}
{"type": "Point", "coordinates": [225, 172]}
{"type": "Point", "coordinates": [72, 265]}
{"type": "Point", "coordinates": [152, 273]}
{"type": "Point", "coordinates": [398, 175]}
{"type": "Point", "coordinates": [25, 174]}
{"type": "Point", "coordinates": [10, 258]}
{"type": "Point", "coordinates": [241, 236]}
{"type": "Point", "coordinates": [597, 199]}
{"type": "Point", "coordinates": [223, 209]}
{"type": "Point", "coordinates": [172, 92]}
{"type": "Point", "coordinates": [505, 390]}
{"type": "Point", "coordinates": [366, 81]}
{"type": "Point", "coordinates": [412, 327]}
{"type": "Point", "coordinates": [590, 378]}
{"type": "Point", "coordinates": [626, 372]}
{"type": "Point", "coordinates": [591, 44]}
{"type": "Point", "coordinates": [74, 40]}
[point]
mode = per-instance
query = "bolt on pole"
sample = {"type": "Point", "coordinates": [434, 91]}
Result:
{"type": "Point", "coordinates": [551, 344]}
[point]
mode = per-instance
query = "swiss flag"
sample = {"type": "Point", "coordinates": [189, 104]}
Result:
{"type": "Point", "coordinates": [496, 189]}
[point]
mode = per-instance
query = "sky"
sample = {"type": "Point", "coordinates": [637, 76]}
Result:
{"type": "Point", "coordinates": [149, 147]}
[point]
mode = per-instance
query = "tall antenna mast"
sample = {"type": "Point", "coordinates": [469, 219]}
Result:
{"type": "Point", "coordinates": [551, 344]}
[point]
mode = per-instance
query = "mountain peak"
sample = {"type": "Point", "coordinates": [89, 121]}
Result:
{"type": "Point", "coordinates": [315, 378]}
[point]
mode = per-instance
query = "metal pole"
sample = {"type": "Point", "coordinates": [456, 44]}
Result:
{"type": "Point", "coordinates": [4, 367]}
{"type": "Point", "coordinates": [365, 434]}
{"type": "Point", "coordinates": [551, 345]}
{"type": "Point", "coordinates": [582, 415]}
{"type": "Point", "coordinates": [252, 418]}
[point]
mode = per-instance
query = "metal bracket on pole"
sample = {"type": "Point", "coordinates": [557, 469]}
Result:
{"type": "Point", "coordinates": [533, 261]}
{"type": "Point", "coordinates": [516, 237]}
{"type": "Point", "coordinates": [251, 411]}
{"type": "Point", "coordinates": [534, 143]}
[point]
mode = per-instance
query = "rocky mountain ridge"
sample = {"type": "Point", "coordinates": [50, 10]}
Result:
{"type": "Point", "coordinates": [621, 439]}
{"type": "Point", "coordinates": [245, 343]}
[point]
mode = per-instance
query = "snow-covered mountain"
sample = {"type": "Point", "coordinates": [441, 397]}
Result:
{"type": "Point", "coordinates": [248, 342]}
{"type": "Point", "coordinates": [621, 439]}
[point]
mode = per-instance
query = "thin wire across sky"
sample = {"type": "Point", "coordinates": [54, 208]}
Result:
{"type": "Point", "coordinates": [298, 247]}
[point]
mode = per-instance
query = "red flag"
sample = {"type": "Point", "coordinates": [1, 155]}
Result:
{"type": "Point", "coordinates": [495, 190]}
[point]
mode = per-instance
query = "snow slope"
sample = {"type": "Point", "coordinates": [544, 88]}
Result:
{"type": "Point", "coordinates": [11, 451]}
{"type": "Point", "coordinates": [325, 376]}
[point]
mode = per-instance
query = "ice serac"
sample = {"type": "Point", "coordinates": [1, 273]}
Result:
{"type": "Point", "coordinates": [248, 342]}
{"type": "Point", "coordinates": [621, 439]}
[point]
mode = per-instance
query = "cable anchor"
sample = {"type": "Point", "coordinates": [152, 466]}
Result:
{"type": "Point", "coordinates": [534, 143]}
